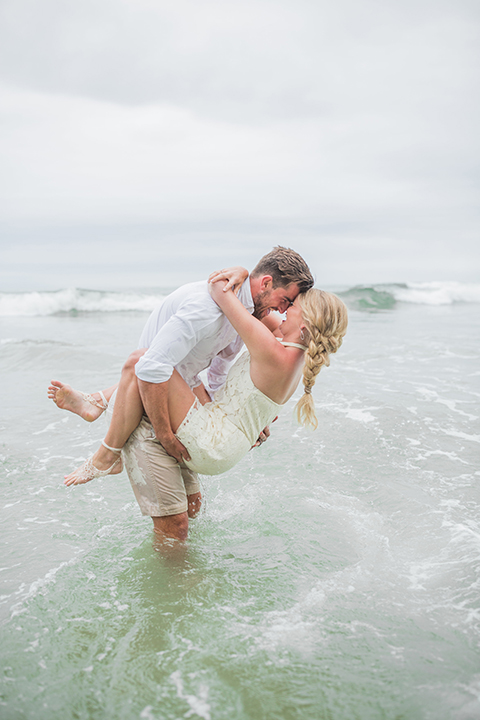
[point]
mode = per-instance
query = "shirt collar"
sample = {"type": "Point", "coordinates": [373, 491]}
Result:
{"type": "Point", "coordinates": [245, 296]}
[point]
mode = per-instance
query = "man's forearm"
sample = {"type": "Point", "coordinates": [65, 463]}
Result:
{"type": "Point", "coordinates": [155, 401]}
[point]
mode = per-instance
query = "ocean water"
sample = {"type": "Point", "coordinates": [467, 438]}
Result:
{"type": "Point", "coordinates": [332, 575]}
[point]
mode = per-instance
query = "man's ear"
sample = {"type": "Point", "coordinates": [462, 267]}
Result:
{"type": "Point", "coordinates": [266, 282]}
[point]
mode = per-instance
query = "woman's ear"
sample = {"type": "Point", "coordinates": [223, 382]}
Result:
{"type": "Point", "coordinates": [305, 332]}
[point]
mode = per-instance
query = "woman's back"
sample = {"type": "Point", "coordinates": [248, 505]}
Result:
{"type": "Point", "coordinates": [218, 434]}
{"type": "Point", "coordinates": [277, 369]}
{"type": "Point", "coordinates": [244, 404]}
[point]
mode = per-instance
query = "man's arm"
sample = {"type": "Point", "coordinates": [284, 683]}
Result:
{"type": "Point", "coordinates": [201, 392]}
{"type": "Point", "coordinates": [194, 319]}
{"type": "Point", "coordinates": [221, 364]}
{"type": "Point", "coordinates": [155, 401]}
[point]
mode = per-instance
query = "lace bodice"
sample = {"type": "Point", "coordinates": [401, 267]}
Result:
{"type": "Point", "coordinates": [244, 405]}
{"type": "Point", "coordinates": [218, 434]}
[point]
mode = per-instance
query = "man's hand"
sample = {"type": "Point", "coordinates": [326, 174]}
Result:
{"type": "Point", "coordinates": [202, 394]}
{"type": "Point", "coordinates": [235, 277]}
{"type": "Point", "coordinates": [264, 435]}
{"type": "Point", "coordinates": [174, 447]}
{"type": "Point", "coordinates": [155, 401]}
{"type": "Point", "coordinates": [194, 504]}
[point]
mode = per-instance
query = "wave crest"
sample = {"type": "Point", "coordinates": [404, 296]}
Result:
{"type": "Point", "coordinates": [75, 300]}
{"type": "Point", "coordinates": [386, 296]}
{"type": "Point", "coordinates": [361, 297]}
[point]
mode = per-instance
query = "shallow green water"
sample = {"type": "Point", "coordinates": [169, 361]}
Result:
{"type": "Point", "coordinates": [331, 575]}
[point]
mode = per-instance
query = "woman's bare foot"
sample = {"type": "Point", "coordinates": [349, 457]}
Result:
{"type": "Point", "coordinates": [103, 462]}
{"type": "Point", "coordinates": [66, 398]}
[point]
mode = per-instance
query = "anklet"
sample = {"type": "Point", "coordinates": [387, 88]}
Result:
{"type": "Point", "coordinates": [115, 450]}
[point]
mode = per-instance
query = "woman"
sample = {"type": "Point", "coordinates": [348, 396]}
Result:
{"type": "Point", "coordinates": [218, 434]}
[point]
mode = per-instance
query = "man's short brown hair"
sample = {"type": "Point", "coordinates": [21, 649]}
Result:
{"type": "Point", "coordinates": [285, 266]}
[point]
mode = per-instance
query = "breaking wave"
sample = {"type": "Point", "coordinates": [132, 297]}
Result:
{"type": "Point", "coordinates": [387, 296]}
{"type": "Point", "coordinates": [75, 300]}
{"type": "Point", "coordinates": [361, 297]}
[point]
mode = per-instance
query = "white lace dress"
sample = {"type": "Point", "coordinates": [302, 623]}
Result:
{"type": "Point", "coordinates": [218, 434]}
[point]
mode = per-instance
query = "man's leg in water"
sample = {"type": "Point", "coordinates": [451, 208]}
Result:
{"type": "Point", "coordinates": [171, 526]}
{"type": "Point", "coordinates": [160, 484]}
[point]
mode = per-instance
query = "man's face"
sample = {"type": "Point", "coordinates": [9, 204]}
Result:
{"type": "Point", "coordinates": [279, 299]}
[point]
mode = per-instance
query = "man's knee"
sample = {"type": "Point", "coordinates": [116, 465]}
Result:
{"type": "Point", "coordinates": [172, 526]}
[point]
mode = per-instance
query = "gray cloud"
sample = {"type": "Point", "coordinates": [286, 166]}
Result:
{"type": "Point", "coordinates": [300, 58]}
{"type": "Point", "coordinates": [350, 126]}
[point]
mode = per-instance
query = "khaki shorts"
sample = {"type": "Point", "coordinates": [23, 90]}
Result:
{"type": "Point", "coordinates": [160, 483]}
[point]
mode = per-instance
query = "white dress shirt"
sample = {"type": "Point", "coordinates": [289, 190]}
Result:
{"type": "Point", "coordinates": [189, 332]}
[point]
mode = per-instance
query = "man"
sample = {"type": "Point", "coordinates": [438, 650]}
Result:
{"type": "Point", "coordinates": [189, 332]}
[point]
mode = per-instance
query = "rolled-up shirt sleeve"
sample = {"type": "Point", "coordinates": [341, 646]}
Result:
{"type": "Point", "coordinates": [176, 339]}
{"type": "Point", "coordinates": [221, 363]}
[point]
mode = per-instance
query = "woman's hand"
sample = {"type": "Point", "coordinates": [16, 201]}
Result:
{"type": "Point", "coordinates": [216, 290]}
{"type": "Point", "coordinates": [235, 277]}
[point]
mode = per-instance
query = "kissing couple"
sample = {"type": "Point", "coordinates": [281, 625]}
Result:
{"type": "Point", "coordinates": [167, 425]}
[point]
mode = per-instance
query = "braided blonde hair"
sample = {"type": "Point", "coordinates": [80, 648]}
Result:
{"type": "Point", "coordinates": [326, 319]}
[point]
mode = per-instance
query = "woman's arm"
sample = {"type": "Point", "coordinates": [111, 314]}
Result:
{"type": "Point", "coordinates": [259, 340]}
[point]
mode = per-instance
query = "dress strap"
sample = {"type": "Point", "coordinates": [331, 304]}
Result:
{"type": "Point", "coordinates": [292, 344]}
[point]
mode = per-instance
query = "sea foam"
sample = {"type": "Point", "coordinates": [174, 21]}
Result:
{"type": "Point", "coordinates": [75, 300]}
{"type": "Point", "coordinates": [438, 293]}
{"type": "Point", "coordinates": [361, 297]}
{"type": "Point", "coordinates": [387, 296]}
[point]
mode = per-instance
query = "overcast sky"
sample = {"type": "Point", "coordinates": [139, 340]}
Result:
{"type": "Point", "coordinates": [144, 142]}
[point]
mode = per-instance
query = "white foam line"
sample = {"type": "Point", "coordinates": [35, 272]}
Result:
{"type": "Point", "coordinates": [49, 427]}
{"type": "Point", "coordinates": [41, 522]}
{"type": "Point", "coordinates": [17, 609]}
{"type": "Point", "coordinates": [451, 455]}
{"type": "Point", "coordinates": [198, 706]}
{"type": "Point", "coordinates": [432, 395]}
{"type": "Point", "coordinates": [56, 457]}
{"type": "Point", "coordinates": [360, 415]}
{"type": "Point", "coordinates": [464, 436]}
{"type": "Point", "coordinates": [10, 567]}
{"type": "Point", "coordinates": [451, 405]}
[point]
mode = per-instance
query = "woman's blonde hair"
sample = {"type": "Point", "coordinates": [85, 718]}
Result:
{"type": "Point", "coordinates": [326, 320]}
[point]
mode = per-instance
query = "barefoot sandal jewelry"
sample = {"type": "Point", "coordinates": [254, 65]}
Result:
{"type": "Point", "coordinates": [89, 398]}
{"type": "Point", "coordinates": [88, 471]}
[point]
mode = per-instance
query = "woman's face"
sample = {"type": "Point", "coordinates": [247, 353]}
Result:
{"type": "Point", "coordinates": [273, 321]}
{"type": "Point", "coordinates": [294, 318]}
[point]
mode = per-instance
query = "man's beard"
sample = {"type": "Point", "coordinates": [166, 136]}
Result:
{"type": "Point", "coordinates": [261, 306]}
